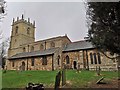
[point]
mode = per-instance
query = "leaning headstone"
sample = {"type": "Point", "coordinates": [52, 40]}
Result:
{"type": "Point", "coordinates": [100, 81]}
{"type": "Point", "coordinates": [57, 81]}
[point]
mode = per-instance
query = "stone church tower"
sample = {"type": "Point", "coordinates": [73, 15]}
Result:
{"type": "Point", "coordinates": [22, 33]}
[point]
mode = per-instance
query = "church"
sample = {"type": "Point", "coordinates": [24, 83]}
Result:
{"type": "Point", "coordinates": [54, 53]}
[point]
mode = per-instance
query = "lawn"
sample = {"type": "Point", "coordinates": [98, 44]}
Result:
{"type": "Point", "coordinates": [0, 79]}
{"type": "Point", "coordinates": [14, 79]}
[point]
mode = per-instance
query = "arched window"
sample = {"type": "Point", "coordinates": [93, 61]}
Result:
{"type": "Point", "coordinates": [13, 64]}
{"type": "Point", "coordinates": [95, 58]}
{"type": "Point", "coordinates": [52, 44]}
{"type": "Point", "coordinates": [32, 62]}
{"type": "Point", "coordinates": [91, 57]}
{"type": "Point", "coordinates": [99, 58]}
{"type": "Point", "coordinates": [22, 67]}
{"type": "Point", "coordinates": [32, 48]}
{"type": "Point", "coordinates": [44, 60]}
{"type": "Point", "coordinates": [28, 30]}
{"type": "Point", "coordinates": [58, 60]}
{"type": "Point", "coordinates": [67, 59]}
{"type": "Point", "coordinates": [41, 47]}
{"type": "Point", "coordinates": [24, 49]}
{"type": "Point", "coordinates": [16, 29]}
{"type": "Point", "coordinates": [23, 63]}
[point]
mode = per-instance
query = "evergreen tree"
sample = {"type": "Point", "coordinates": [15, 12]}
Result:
{"type": "Point", "coordinates": [104, 25]}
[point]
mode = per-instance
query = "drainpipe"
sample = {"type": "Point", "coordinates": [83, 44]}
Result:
{"type": "Point", "coordinates": [52, 63]}
{"type": "Point", "coordinates": [45, 45]}
{"type": "Point", "coordinates": [87, 60]}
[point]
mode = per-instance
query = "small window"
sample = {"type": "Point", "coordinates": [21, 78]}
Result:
{"type": "Point", "coordinates": [32, 62]}
{"type": "Point", "coordinates": [32, 48]}
{"type": "Point", "coordinates": [95, 58]}
{"type": "Point", "coordinates": [58, 60]}
{"type": "Point", "coordinates": [24, 49]}
{"type": "Point", "coordinates": [67, 59]}
{"type": "Point", "coordinates": [28, 30]}
{"type": "Point", "coordinates": [52, 44]}
{"type": "Point", "coordinates": [41, 47]}
{"type": "Point", "coordinates": [44, 60]}
{"type": "Point", "coordinates": [13, 64]}
{"type": "Point", "coordinates": [91, 57]}
{"type": "Point", "coordinates": [99, 58]}
{"type": "Point", "coordinates": [16, 30]}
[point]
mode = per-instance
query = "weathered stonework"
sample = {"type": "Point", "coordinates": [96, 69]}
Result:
{"type": "Point", "coordinates": [81, 57]}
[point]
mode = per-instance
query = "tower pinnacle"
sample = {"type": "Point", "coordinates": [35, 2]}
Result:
{"type": "Point", "coordinates": [22, 16]}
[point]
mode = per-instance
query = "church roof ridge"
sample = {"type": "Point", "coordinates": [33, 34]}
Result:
{"type": "Point", "coordinates": [34, 53]}
{"type": "Point", "coordinates": [78, 45]}
{"type": "Point", "coordinates": [79, 41]}
{"type": "Point", "coordinates": [46, 40]}
{"type": "Point", "coordinates": [51, 38]}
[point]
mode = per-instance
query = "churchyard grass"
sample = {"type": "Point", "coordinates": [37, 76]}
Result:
{"type": "Point", "coordinates": [0, 79]}
{"type": "Point", "coordinates": [85, 78]}
{"type": "Point", "coordinates": [15, 79]}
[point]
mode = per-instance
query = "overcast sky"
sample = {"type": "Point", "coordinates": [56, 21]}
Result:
{"type": "Point", "coordinates": [52, 18]}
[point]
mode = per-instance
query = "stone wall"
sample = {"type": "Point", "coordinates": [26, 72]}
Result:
{"type": "Point", "coordinates": [73, 56]}
{"type": "Point", "coordinates": [83, 59]}
{"type": "Point", "coordinates": [58, 41]}
{"type": "Point", "coordinates": [37, 64]}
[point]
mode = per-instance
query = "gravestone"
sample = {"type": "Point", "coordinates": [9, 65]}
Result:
{"type": "Point", "coordinates": [78, 69]}
{"type": "Point", "coordinates": [57, 81]}
{"type": "Point", "coordinates": [63, 77]}
{"type": "Point", "coordinates": [100, 81]}
{"type": "Point", "coordinates": [98, 70]}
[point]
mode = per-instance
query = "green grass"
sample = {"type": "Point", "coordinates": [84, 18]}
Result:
{"type": "Point", "coordinates": [14, 79]}
{"type": "Point", "coordinates": [0, 79]}
{"type": "Point", "coordinates": [84, 78]}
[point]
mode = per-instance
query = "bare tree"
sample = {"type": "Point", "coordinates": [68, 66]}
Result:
{"type": "Point", "coordinates": [3, 52]}
{"type": "Point", "coordinates": [3, 44]}
{"type": "Point", "coordinates": [2, 9]}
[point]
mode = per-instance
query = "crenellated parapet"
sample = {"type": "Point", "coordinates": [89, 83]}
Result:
{"type": "Point", "coordinates": [22, 20]}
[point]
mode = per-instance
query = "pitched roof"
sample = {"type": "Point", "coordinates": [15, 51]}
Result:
{"type": "Point", "coordinates": [53, 38]}
{"type": "Point", "coordinates": [34, 53]}
{"type": "Point", "coordinates": [79, 45]}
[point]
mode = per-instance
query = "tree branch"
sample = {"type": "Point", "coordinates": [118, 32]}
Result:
{"type": "Point", "coordinates": [109, 56]}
